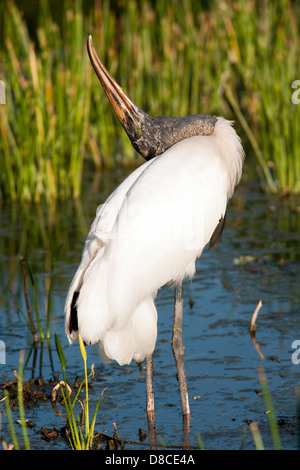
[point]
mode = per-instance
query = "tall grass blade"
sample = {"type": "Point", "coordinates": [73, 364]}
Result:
{"type": "Point", "coordinates": [171, 57]}
{"type": "Point", "coordinates": [256, 436]}
{"type": "Point", "coordinates": [49, 301]}
{"type": "Point", "coordinates": [270, 409]}
{"type": "Point", "coordinates": [37, 313]}
{"type": "Point", "coordinates": [79, 439]}
{"type": "Point", "coordinates": [20, 400]}
{"type": "Point", "coordinates": [21, 408]}
{"type": "Point", "coordinates": [32, 325]}
{"type": "Point", "coordinates": [201, 446]}
{"type": "Point", "coordinates": [86, 404]}
{"type": "Point", "coordinates": [60, 352]}
{"type": "Point", "coordinates": [10, 421]}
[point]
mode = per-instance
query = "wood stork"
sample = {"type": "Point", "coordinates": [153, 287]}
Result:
{"type": "Point", "coordinates": [151, 230]}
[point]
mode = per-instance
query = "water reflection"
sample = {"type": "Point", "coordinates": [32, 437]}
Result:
{"type": "Point", "coordinates": [258, 259]}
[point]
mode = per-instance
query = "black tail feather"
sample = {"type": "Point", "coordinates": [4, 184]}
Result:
{"type": "Point", "coordinates": [73, 325]}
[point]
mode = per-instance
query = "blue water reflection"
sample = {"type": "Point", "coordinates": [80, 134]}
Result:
{"type": "Point", "coordinates": [258, 259]}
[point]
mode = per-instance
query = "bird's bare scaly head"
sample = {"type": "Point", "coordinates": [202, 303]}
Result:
{"type": "Point", "coordinates": [149, 136]}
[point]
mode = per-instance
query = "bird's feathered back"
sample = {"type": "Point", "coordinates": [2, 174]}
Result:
{"type": "Point", "coordinates": [148, 233]}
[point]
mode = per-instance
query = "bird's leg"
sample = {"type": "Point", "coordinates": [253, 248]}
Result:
{"type": "Point", "coordinates": [149, 388]}
{"type": "Point", "coordinates": [178, 349]}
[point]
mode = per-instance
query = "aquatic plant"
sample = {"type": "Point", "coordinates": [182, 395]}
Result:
{"type": "Point", "coordinates": [172, 57]}
{"type": "Point", "coordinates": [38, 333]}
{"type": "Point", "coordinates": [253, 425]}
{"type": "Point", "coordinates": [269, 408]}
{"type": "Point", "coordinates": [21, 410]}
{"type": "Point", "coordinates": [81, 429]}
{"type": "Point", "coordinates": [270, 411]}
{"type": "Point", "coordinates": [38, 326]}
{"type": "Point", "coordinates": [44, 121]}
{"type": "Point", "coordinates": [79, 439]}
{"type": "Point", "coordinates": [263, 40]}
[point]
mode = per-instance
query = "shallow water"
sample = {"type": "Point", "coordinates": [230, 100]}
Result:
{"type": "Point", "coordinates": [257, 259]}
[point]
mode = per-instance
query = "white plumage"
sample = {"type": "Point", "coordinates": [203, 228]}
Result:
{"type": "Point", "coordinates": [149, 232]}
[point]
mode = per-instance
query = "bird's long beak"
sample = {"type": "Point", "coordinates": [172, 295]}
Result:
{"type": "Point", "coordinates": [130, 115]}
{"type": "Point", "coordinates": [149, 136]}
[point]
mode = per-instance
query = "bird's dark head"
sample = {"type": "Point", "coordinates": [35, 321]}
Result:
{"type": "Point", "coordinates": [149, 136]}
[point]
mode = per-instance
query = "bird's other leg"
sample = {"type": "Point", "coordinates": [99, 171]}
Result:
{"type": "Point", "coordinates": [149, 388]}
{"type": "Point", "coordinates": [178, 349]}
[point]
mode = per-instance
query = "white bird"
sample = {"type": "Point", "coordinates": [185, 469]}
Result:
{"type": "Point", "coordinates": [151, 230]}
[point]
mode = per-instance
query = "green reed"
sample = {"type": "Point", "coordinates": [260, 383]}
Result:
{"type": "Point", "coordinates": [21, 410]}
{"type": "Point", "coordinates": [270, 409]}
{"type": "Point", "coordinates": [43, 131]}
{"type": "Point", "coordinates": [35, 325]}
{"type": "Point", "coordinates": [236, 59]}
{"type": "Point", "coordinates": [81, 428]}
{"type": "Point", "coordinates": [265, 39]}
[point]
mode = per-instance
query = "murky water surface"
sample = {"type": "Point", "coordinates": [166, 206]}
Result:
{"type": "Point", "coordinates": [257, 259]}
